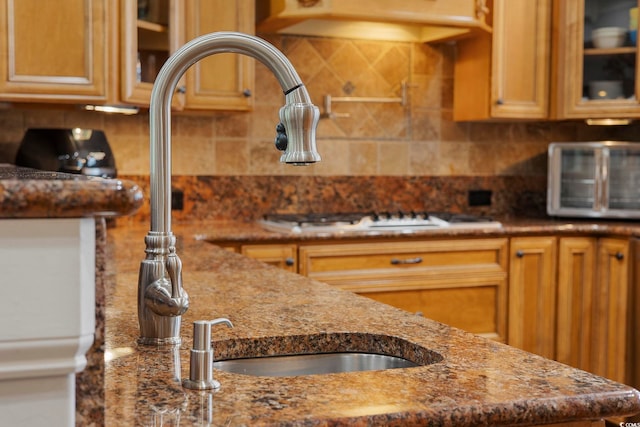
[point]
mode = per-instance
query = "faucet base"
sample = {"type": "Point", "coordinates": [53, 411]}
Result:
{"type": "Point", "coordinates": [161, 298]}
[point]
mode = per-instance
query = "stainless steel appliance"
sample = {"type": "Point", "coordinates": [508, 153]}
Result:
{"type": "Point", "coordinates": [73, 150]}
{"type": "Point", "coordinates": [403, 222]}
{"type": "Point", "coordinates": [594, 179]}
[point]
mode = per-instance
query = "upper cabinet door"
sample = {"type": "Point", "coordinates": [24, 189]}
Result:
{"type": "Point", "coordinates": [505, 75]}
{"type": "Point", "coordinates": [521, 59]}
{"type": "Point", "coordinates": [596, 74]}
{"type": "Point", "coordinates": [223, 81]}
{"type": "Point", "coordinates": [55, 51]}
{"type": "Point", "coordinates": [150, 32]}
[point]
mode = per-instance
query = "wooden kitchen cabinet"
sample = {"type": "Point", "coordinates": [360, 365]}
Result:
{"type": "Point", "coordinates": [150, 36]}
{"type": "Point", "coordinates": [284, 256]}
{"type": "Point", "coordinates": [568, 301]}
{"type": "Point", "coordinates": [613, 275]}
{"type": "Point", "coordinates": [578, 63]}
{"type": "Point", "coordinates": [223, 81]}
{"type": "Point", "coordinates": [594, 299]}
{"type": "Point", "coordinates": [532, 294]}
{"type": "Point", "coordinates": [505, 74]}
{"type": "Point", "coordinates": [576, 293]}
{"type": "Point", "coordinates": [54, 51]}
{"type": "Point", "coordinates": [567, 298]}
{"type": "Point", "coordinates": [458, 282]}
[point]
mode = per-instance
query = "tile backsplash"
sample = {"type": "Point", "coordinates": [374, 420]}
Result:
{"type": "Point", "coordinates": [415, 142]}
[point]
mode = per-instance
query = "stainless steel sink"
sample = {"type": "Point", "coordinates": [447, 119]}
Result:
{"type": "Point", "coordinates": [317, 354]}
{"type": "Point", "coordinates": [312, 364]}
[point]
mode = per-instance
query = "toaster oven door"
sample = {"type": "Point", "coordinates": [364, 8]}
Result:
{"type": "Point", "coordinates": [575, 181]}
{"type": "Point", "coordinates": [621, 189]}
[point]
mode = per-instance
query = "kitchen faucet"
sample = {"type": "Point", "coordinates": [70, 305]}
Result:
{"type": "Point", "coordinates": [161, 297]}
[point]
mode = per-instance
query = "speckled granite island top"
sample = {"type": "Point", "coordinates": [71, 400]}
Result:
{"type": "Point", "coordinates": [238, 232]}
{"type": "Point", "coordinates": [29, 193]}
{"type": "Point", "coordinates": [471, 381]}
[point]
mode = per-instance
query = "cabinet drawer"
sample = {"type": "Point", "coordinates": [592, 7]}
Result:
{"type": "Point", "coordinates": [403, 261]}
{"type": "Point", "coordinates": [282, 256]}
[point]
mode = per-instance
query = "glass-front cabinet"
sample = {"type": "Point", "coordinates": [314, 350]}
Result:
{"type": "Point", "coordinates": [151, 30]}
{"type": "Point", "coordinates": [596, 59]}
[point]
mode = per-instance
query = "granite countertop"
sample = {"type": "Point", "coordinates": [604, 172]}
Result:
{"type": "Point", "coordinates": [473, 381]}
{"type": "Point", "coordinates": [464, 380]}
{"type": "Point", "coordinates": [238, 232]}
{"type": "Point", "coordinates": [30, 193]}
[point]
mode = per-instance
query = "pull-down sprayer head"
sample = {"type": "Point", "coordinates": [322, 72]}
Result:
{"type": "Point", "coordinates": [299, 128]}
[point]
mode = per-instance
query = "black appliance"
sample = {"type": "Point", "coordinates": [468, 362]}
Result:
{"type": "Point", "coordinates": [75, 150]}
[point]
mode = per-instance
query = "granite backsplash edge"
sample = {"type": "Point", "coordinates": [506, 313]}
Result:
{"type": "Point", "coordinates": [248, 198]}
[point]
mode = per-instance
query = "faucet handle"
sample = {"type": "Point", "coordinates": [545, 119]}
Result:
{"type": "Point", "coordinates": [201, 364]}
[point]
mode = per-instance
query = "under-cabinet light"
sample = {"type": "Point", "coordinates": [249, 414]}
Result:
{"type": "Point", "coordinates": [114, 109]}
{"type": "Point", "coordinates": [608, 122]}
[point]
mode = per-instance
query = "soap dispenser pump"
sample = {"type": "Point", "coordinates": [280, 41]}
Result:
{"type": "Point", "coordinates": [201, 364]}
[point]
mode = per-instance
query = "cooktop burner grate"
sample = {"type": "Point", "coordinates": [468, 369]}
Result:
{"type": "Point", "coordinates": [372, 222]}
{"type": "Point", "coordinates": [317, 218]}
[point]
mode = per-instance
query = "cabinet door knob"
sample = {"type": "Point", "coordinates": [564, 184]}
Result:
{"type": "Point", "coordinates": [396, 261]}
{"type": "Point", "coordinates": [289, 261]}
{"type": "Point", "coordinates": [181, 89]}
{"type": "Point", "coordinates": [519, 254]}
{"type": "Point", "coordinates": [246, 93]}
{"type": "Point", "coordinates": [499, 101]}
{"type": "Point", "coordinates": [619, 255]}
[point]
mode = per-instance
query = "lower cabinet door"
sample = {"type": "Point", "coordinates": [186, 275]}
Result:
{"type": "Point", "coordinates": [610, 311]}
{"type": "Point", "coordinates": [532, 294]}
{"type": "Point", "coordinates": [576, 293]}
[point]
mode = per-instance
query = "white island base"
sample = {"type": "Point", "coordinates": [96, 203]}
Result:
{"type": "Point", "coordinates": [47, 317]}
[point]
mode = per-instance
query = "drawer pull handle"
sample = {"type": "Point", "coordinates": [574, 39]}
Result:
{"type": "Point", "coordinates": [519, 254]}
{"type": "Point", "coordinates": [396, 261]}
{"type": "Point", "coordinates": [289, 261]}
{"type": "Point", "coordinates": [619, 255]}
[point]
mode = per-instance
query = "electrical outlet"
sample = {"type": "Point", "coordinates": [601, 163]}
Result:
{"type": "Point", "coordinates": [479, 197]}
{"type": "Point", "coordinates": [177, 200]}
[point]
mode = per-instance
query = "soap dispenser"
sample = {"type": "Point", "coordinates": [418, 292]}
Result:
{"type": "Point", "coordinates": [201, 364]}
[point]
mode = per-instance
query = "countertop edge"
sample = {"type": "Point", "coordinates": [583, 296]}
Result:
{"type": "Point", "coordinates": [37, 194]}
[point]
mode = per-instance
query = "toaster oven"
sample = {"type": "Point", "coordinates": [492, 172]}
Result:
{"type": "Point", "coordinates": [594, 179]}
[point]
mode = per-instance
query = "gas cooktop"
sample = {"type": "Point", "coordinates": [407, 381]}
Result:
{"type": "Point", "coordinates": [405, 222]}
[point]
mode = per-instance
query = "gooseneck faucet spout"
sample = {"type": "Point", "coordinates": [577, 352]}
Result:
{"type": "Point", "coordinates": [161, 297]}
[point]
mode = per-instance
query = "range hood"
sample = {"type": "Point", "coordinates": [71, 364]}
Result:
{"type": "Point", "coordinates": [397, 20]}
